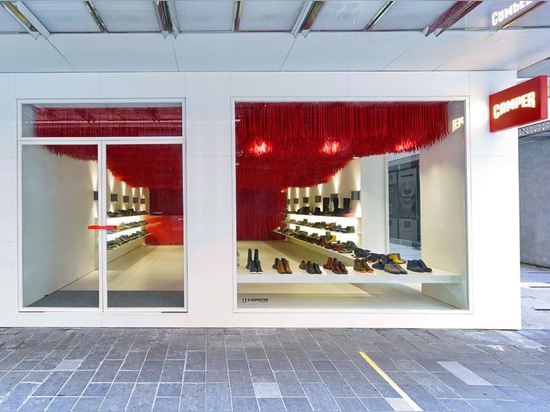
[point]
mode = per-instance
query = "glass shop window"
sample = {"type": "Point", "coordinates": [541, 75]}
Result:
{"type": "Point", "coordinates": [340, 205]}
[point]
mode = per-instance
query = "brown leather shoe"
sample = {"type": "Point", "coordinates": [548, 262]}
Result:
{"type": "Point", "coordinates": [336, 267]}
{"type": "Point", "coordinates": [343, 269]}
{"type": "Point", "coordinates": [366, 266]}
{"type": "Point", "coordinates": [281, 267]}
{"type": "Point", "coordinates": [286, 266]}
{"type": "Point", "coordinates": [329, 263]}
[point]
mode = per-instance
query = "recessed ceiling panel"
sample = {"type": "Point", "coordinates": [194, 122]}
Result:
{"type": "Point", "coordinates": [63, 16]}
{"type": "Point", "coordinates": [412, 15]}
{"type": "Point", "coordinates": [346, 15]}
{"type": "Point", "coordinates": [8, 24]}
{"type": "Point", "coordinates": [206, 15]}
{"type": "Point", "coordinates": [128, 16]}
{"type": "Point", "coordinates": [269, 15]}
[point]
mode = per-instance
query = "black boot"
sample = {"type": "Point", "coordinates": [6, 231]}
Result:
{"type": "Point", "coordinates": [347, 205]}
{"type": "Point", "coordinates": [249, 260]}
{"type": "Point", "coordinates": [326, 203]}
{"type": "Point", "coordinates": [335, 209]}
{"type": "Point", "coordinates": [257, 264]}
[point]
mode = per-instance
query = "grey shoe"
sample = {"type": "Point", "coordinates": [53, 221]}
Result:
{"type": "Point", "coordinates": [394, 269]}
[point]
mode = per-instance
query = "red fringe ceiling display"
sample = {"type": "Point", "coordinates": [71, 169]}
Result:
{"type": "Point", "coordinates": [282, 145]}
{"type": "Point", "coordinates": [153, 166]}
{"type": "Point", "coordinates": [108, 121]}
{"type": "Point", "coordinates": [279, 145]}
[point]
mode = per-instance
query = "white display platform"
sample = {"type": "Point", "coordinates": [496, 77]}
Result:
{"type": "Point", "coordinates": [377, 277]}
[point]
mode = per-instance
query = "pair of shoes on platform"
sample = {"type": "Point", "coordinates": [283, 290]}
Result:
{"type": "Point", "coordinates": [310, 267]}
{"type": "Point", "coordinates": [253, 264]}
{"type": "Point", "coordinates": [282, 266]}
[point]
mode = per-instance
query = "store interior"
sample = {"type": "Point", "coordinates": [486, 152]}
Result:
{"type": "Point", "coordinates": [351, 206]}
{"type": "Point", "coordinates": [62, 228]}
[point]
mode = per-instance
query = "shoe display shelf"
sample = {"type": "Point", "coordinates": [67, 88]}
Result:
{"type": "Point", "coordinates": [378, 277]}
{"type": "Point", "coordinates": [339, 220]}
{"type": "Point", "coordinates": [346, 258]}
{"type": "Point", "coordinates": [118, 251]}
{"type": "Point", "coordinates": [342, 237]}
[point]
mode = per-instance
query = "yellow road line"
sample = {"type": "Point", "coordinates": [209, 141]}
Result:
{"type": "Point", "coordinates": [414, 406]}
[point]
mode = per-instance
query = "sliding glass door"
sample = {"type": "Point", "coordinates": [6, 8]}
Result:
{"type": "Point", "coordinates": [144, 217]}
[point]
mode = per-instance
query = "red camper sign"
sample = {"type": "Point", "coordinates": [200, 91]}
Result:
{"type": "Point", "coordinates": [524, 103]}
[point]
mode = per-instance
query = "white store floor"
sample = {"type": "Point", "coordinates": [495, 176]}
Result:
{"type": "Point", "coordinates": [158, 268]}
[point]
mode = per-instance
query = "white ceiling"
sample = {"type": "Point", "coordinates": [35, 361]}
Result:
{"type": "Point", "coordinates": [133, 41]}
{"type": "Point", "coordinates": [503, 50]}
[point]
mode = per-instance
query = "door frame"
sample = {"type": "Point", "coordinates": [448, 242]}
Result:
{"type": "Point", "coordinates": [101, 144]}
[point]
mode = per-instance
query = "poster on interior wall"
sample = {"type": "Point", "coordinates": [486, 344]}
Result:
{"type": "Point", "coordinates": [392, 194]}
{"type": "Point", "coordinates": [407, 193]}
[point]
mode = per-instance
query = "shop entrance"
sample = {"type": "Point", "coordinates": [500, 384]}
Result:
{"type": "Point", "coordinates": [101, 224]}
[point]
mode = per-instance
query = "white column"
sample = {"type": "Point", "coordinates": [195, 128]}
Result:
{"type": "Point", "coordinates": [374, 222]}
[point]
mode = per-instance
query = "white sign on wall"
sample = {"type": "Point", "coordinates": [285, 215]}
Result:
{"type": "Point", "coordinates": [500, 16]}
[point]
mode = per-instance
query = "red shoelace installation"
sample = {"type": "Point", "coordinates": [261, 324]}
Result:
{"type": "Point", "coordinates": [279, 145]}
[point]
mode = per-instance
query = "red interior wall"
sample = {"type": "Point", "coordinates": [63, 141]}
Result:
{"type": "Point", "coordinates": [166, 222]}
{"type": "Point", "coordinates": [258, 213]}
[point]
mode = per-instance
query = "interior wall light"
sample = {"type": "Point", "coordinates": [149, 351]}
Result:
{"type": "Point", "coordinates": [135, 200]}
{"type": "Point", "coordinates": [142, 201]}
{"type": "Point", "coordinates": [96, 195]}
{"type": "Point", "coordinates": [330, 147]}
{"type": "Point", "coordinates": [288, 201]}
{"type": "Point", "coordinates": [126, 199]}
{"type": "Point", "coordinates": [355, 195]}
{"type": "Point", "coordinates": [305, 200]}
{"type": "Point", "coordinates": [317, 199]}
{"type": "Point", "coordinates": [296, 200]}
{"type": "Point", "coordinates": [259, 148]}
{"type": "Point", "coordinates": [114, 197]}
{"type": "Point", "coordinates": [334, 195]}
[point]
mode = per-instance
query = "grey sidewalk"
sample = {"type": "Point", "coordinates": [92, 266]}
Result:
{"type": "Point", "coordinates": [272, 369]}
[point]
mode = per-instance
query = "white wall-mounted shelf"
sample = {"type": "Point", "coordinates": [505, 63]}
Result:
{"type": "Point", "coordinates": [347, 259]}
{"type": "Point", "coordinates": [118, 251]}
{"type": "Point", "coordinates": [124, 232]}
{"type": "Point", "coordinates": [341, 236]}
{"type": "Point", "coordinates": [340, 220]}
{"type": "Point", "coordinates": [118, 220]}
